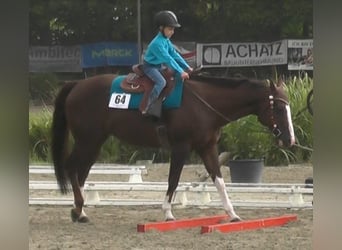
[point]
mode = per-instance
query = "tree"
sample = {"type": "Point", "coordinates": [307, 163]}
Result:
{"type": "Point", "coordinates": [81, 21]}
{"type": "Point", "coordinates": [85, 21]}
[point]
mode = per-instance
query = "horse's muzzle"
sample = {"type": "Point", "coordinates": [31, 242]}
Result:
{"type": "Point", "coordinates": [286, 143]}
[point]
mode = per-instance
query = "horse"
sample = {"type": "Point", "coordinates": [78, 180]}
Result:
{"type": "Point", "coordinates": [208, 104]}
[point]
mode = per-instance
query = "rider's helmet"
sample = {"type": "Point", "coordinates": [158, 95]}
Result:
{"type": "Point", "coordinates": [166, 18]}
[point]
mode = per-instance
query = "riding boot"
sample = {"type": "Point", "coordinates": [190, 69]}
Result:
{"type": "Point", "coordinates": [154, 109]}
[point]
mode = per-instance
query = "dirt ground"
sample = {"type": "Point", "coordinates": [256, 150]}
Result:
{"type": "Point", "coordinates": [115, 227]}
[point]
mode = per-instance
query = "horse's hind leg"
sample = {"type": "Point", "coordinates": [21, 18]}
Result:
{"type": "Point", "coordinates": [210, 159]}
{"type": "Point", "coordinates": [78, 165]}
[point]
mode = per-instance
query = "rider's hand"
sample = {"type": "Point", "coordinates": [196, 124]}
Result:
{"type": "Point", "coordinates": [189, 70]}
{"type": "Point", "coordinates": [184, 75]}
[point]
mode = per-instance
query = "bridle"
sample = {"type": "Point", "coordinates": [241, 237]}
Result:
{"type": "Point", "coordinates": [275, 129]}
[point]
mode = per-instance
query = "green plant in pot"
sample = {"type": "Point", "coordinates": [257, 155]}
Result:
{"type": "Point", "coordinates": [248, 143]}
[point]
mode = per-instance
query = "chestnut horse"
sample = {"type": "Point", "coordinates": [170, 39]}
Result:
{"type": "Point", "coordinates": [208, 104]}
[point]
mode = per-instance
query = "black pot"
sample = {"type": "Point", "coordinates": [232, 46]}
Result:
{"type": "Point", "coordinates": [246, 170]}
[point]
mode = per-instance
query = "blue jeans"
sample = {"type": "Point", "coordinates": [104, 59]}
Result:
{"type": "Point", "coordinates": [154, 73]}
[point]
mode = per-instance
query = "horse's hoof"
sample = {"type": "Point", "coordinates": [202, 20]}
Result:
{"type": "Point", "coordinates": [236, 219]}
{"type": "Point", "coordinates": [83, 219]}
{"type": "Point", "coordinates": [223, 221]}
{"type": "Point", "coordinates": [170, 219]}
{"type": "Point", "coordinates": [74, 215]}
{"type": "Point", "coordinates": [77, 218]}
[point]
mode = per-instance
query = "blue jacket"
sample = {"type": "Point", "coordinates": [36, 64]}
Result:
{"type": "Point", "coordinates": [161, 51]}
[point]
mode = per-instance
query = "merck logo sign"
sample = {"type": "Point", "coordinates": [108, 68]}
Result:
{"type": "Point", "coordinates": [112, 53]}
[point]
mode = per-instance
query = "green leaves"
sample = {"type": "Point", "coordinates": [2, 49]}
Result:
{"type": "Point", "coordinates": [86, 21]}
{"type": "Point", "coordinates": [39, 135]}
{"type": "Point", "coordinates": [246, 138]}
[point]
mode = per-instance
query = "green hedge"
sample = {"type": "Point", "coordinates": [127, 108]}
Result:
{"type": "Point", "coordinates": [40, 135]}
{"type": "Point", "coordinates": [245, 138]}
{"type": "Point", "coordinates": [44, 86]}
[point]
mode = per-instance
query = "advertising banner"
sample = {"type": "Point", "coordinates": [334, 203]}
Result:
{"type": "Point", "coordinates": [300, 54]}
{"type": "Point", "coordinates": [109, 53]}
{"type": "Point", "coordinates": [242, 54]}
{"type": "Point", "coordinates": [55, 59]}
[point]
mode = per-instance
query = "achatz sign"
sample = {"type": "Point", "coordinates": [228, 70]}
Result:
{"type": "Point", "coordinates": [241, 54]}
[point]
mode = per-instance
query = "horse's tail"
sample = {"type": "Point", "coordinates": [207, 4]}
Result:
{"type": "Point", "coordinates": [60, 134]}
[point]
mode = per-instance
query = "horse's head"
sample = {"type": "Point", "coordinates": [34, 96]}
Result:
{"type": "Point", "coordinates": [276, 115]}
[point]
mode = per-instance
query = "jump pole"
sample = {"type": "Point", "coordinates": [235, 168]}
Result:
{"type": "Point", "coordinates": [249, 224]}
{"type": "Point", "coordinates": [178, 224]}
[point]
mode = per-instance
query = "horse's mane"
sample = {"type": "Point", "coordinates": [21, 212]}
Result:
{"type": "Point", "coordinates": [232, 82]}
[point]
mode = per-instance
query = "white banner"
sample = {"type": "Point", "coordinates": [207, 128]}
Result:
{"type": "Point", "coordinates": [55, 59]}
{"type": "Point", "coordinates": [241, 54]}
{"type": "Point", "coordinates": [300, 54]}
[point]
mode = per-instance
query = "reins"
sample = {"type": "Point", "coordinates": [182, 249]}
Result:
{"type": "Point", "coordinates": [207, 104]}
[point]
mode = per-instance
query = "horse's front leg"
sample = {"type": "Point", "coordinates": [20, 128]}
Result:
{"type": "Point", "coordinates": [227, 205]}
{"type": "Point", "coordinates": [210, 159]}
{"type": "Point", "coordinates": [178, 157]}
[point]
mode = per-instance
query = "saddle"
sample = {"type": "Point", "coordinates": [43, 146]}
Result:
{"type": "Point", "coordinates": [138, 82]}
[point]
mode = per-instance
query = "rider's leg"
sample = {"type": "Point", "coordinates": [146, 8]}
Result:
{"type": "Point", "coordinates": [159, 83]}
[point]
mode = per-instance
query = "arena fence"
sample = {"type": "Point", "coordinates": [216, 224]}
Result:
{"type": "Point", "coordinates": [137, 192]}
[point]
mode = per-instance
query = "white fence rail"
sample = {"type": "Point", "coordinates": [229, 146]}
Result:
{"type": "Point", "coordinates": [134, 172]}
{"type": "Point", "coordinates": [288, 195]}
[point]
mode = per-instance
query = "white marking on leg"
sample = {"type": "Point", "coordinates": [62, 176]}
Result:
{"type": "Point", "coordinates": [293, 140]}
{"type": "Point", "coordinates": [228, 207]}
{"type": "Point", "coordinates": [167, 209]}
{"type": "Point", "coordinates": [83, 214]}
{"type": "Point", "coordinates": [82, 193]}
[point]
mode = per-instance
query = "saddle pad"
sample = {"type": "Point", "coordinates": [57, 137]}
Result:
{"type": "Point", "coordinates": [123, 100]}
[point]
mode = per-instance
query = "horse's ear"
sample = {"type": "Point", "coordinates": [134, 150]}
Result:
{"type": "Point", "coordinates": [271, 84]}
{"type": "Point", "coordinates": [280, 82]}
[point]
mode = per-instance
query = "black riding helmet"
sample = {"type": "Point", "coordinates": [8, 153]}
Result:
{"type": "Point", "coordinates": [166, 18]}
